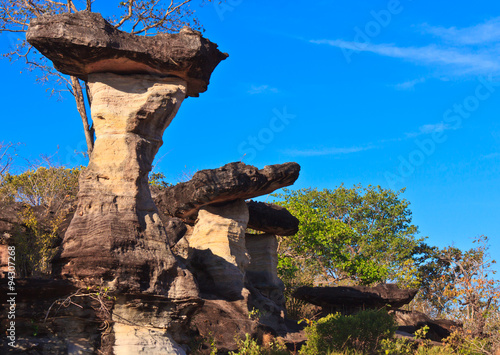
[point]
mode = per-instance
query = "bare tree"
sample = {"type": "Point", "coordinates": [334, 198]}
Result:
{"type": "Point", "coordinates": [6, 156]}
{"type": "Point", "coordinates": [141, 17]}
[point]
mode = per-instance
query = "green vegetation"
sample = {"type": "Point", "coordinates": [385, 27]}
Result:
{"type": "Point", "coordinates": [250, 346]}
{"type": "Point", "coordinates": [361, 235]}
{"type": "Point", "coordinates": [360, 333]}
{"type": "Point", "coordinates": [44, 195]}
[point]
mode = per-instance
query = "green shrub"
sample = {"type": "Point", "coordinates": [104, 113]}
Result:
{"type": "Point", "coordinates": [249, 346]}
{"type": "Point", "coordinates": [361, 332]}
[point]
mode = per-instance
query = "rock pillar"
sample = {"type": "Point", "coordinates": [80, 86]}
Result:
{"type": "Point", "coordinates": [219, 252]}
{"type": "Point", "coordinates": [116, 235]}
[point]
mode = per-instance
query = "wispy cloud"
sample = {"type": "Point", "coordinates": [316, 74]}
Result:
{"type": "Point", "coordinates": [409, 85]}
{"type": "Point", "coordinates": [325, 151]}
{"type": "Point", "coordinates": [262, 89]}
{"type": "Point", "coordinates": [491, 156]}
{"type": "Point", "coordinates": [467, 60]}
{"type": "Point", "coordinates": [483, 33]}
{"type": "Point", "coordinates": [430, 128]}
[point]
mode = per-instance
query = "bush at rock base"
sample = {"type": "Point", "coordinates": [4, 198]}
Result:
{"type": "Point", "coordinates": [362, 332]}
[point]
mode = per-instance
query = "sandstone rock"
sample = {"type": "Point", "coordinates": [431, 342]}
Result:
{"type": "Point", "coordinates": [348, 299]}
{"type": "Point", "coordinates": [67, 330]}
{"type": "Point", "coordinates": [231, 182]}
{"type": "Point", "coordinates": [218, 248]}
{"type": "Point", "coordinates": [272, 219]}
{"type": "Point", "coordinates": [224, 322]}
{"type": "Point", "coordinates": [83, 43]}
{"type": "Point", "coordinates": [411, 321]}
{"type": "Point", "coordinates": [116, 235]}
{"type": "Point", "coordinates": [131, 339]}
{"type": "Point", "coordinates": [152, 325]}
{"type": "Point", "coordinates": [175, 229]}
{"type": "Point", "coordinates": [262, 272]}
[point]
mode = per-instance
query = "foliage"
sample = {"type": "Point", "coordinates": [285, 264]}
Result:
{"type": "Point", "coordinates": [46, 193]}
{"type": "Point", "coordinates": [361, 332]}
{"type": "Point", "coordinates": [249, 346]}
{"type": "Point", "coordinates": [158, 180]}
{"type": "Point", "coordinates": [46, 186]}
{"type": "Point", "coordinates": [473, 290]}
{"type": "Point", "coordinates": [359, 234]}
{"type": "Point", "coordinates": [461, 284]}
{"type": "Point", "coordinates": [35, 242]}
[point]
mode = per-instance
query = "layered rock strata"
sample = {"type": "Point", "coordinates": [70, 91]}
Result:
{"type": "Point", "coordinates": [83, 43]}
{"type": "Point", "coordinates": [117, 240]}
{"type": "Point", "coordinates": [116, 234]}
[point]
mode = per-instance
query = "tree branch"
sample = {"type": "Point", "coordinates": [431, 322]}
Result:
{"type": "Point", "coordinates": [80, 105]}
{"type": "Point", "coordinates": [128, 16]}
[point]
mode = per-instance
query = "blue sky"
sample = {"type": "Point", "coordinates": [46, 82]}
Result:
{"type": "Point", "coordinates": [391, 93]}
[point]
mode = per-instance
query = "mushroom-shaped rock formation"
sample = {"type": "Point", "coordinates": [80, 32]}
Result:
{"type": "Point", "coordinates": [231, 182]}
{"type": "Point", "coordinates": [349, 299]}
{"type": "Point", "coordinates": [83, 43]}
{"type": "Point", "coordinates": [137, 84]}
{"type": "Point", "coordinates": [271, 218]}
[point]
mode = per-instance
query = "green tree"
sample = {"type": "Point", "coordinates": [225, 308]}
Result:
{"type": "Point", "coordinates": [141, 17]}
{"type": "Point", "coordinates": [359, 234]}
{"type": "Point", "coordinates": [43, 197]}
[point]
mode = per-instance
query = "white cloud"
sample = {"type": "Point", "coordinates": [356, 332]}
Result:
{"type": "Point", "coordinates": [430, 128]}
{"type": "Point", "coordinates": [467, 60]}
{"type": "Point", "coordinates": [262, 89]}
{"type": "Point", "coordinates": [409, 85]}
{"type": "Point", "coordinates": [483, 33]}
{"type": "Point", "coordinates": [325, 151]}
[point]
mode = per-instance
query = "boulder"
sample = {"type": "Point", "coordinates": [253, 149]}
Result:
{"type": "Point", "coordinates": [350, 299]}
{"type": "Point", "coordinates": [411, 321]}
{"type": "Point", "coordinates": [231, 182]}
{"type": "Point", "coordinates": [272, 219]}
{"type": "Point", "coordinates": [82, 43]}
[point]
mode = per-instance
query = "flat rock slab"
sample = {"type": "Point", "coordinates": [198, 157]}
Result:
{"type": "Point", "coordinates": [82, 43]}
{"type": "Point", "coordinates": [231, 182]}
{"type": "Point", "coordinates": [356, 296]}
{"type": "Point", "coordinates": [271, 218]}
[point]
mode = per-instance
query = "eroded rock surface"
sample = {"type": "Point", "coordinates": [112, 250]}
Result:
{"type": "Point", "coordinates": [411, 321]}
{"type": "Point", "coordinates": [347, 299]}
{"type": "Point", "coordinates": [219, 253]}
{"type": "Point", "coordinates": [83, 43]}
{"type": "Point", "coordinates": [231, 182]}
{"type": "Point", "coordinates": [116, 234]}
{"type": "Point", "coordinates": [271, 218]}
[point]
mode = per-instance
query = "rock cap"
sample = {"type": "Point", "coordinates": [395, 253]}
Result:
{"type": "Point", "coordinates": [84, 42]}
{"type": "Point", "coordinates": [231, 182]}
{"type": "Point", "coordinates": [356, 296]}
{"type": "Point", "coordinates": [271, 218]}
